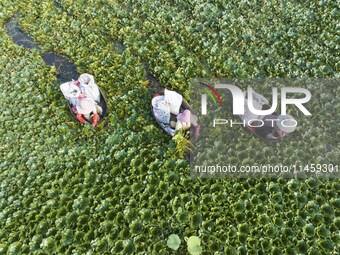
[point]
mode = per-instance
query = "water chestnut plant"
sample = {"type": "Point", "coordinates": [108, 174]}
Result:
{"type": "Point", "coordinates": [124, 188]}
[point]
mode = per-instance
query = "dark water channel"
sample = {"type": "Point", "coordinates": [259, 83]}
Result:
{"type": "Point", "coordinates": [66, 70]}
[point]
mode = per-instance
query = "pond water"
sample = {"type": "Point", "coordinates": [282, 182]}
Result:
{"type": "Point", "coordinates": [66, 71]}
{"type": "Point", "coordinates": [18, 36]}
{"type": "Point", "coordinates": [57, 4]}
{"type": "Point", "coordinates": [118, 46]}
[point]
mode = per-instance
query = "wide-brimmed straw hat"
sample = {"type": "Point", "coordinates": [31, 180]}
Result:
{"type": "Point", "coordinates": [286, 123]}
{"type": "Point", "coordinates": [86, 106]}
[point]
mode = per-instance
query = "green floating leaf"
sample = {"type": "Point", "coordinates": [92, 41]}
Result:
{"type": "Point", "coordinates": [302, 246]}
{"type": "Point", "coordinates": [309, 230]}
{"type": "Point", "coordinates": [195, 250]}
{"type": "Point", "coordinates": [3, 248]}
{"type": "Point", "coordinates": [243, 228]}
{"type": "Point", "coordinates": [48, 244]}
{"type": "Point", "coordinates": [194, 245]}
{"type": "Point", "coordinates": [313, 251]}
{"type": "Point", "coordinates": [173, 242]}
{"type": "Point", "coordinates": [326, 244]}
{"type": "Point", "coordinates": [14, 248]}
{"type": "Point", "coordinates": [136, 227]}
{"type": "Point", "coordinates": [196, 220]}
{"type": "Point", "coordinates": [67, 237]}
{"type": "Point", "coordinates": [276, 251]}
{"type": "Point", "coordinates": [336, 222]}
{"type": "Point", "coordinates": [129, 247]}
{"type": "Point", "coordinates": [119, 246]}
{"type": "Point", "coordinates": [193, 241]}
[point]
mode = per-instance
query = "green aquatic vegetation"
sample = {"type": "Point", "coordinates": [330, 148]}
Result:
{"type": "Point", "coordinates": [174, 241]}
{"type": "Point", "coordinates": [194, 245]}
{"type": "Point", "coordinates": [183, 145]}
{"type": "Point", "coordinates": [122, 188]}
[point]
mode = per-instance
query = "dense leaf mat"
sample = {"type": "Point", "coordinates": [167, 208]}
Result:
{"type": "Point", "coordinates": [121, 189]}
